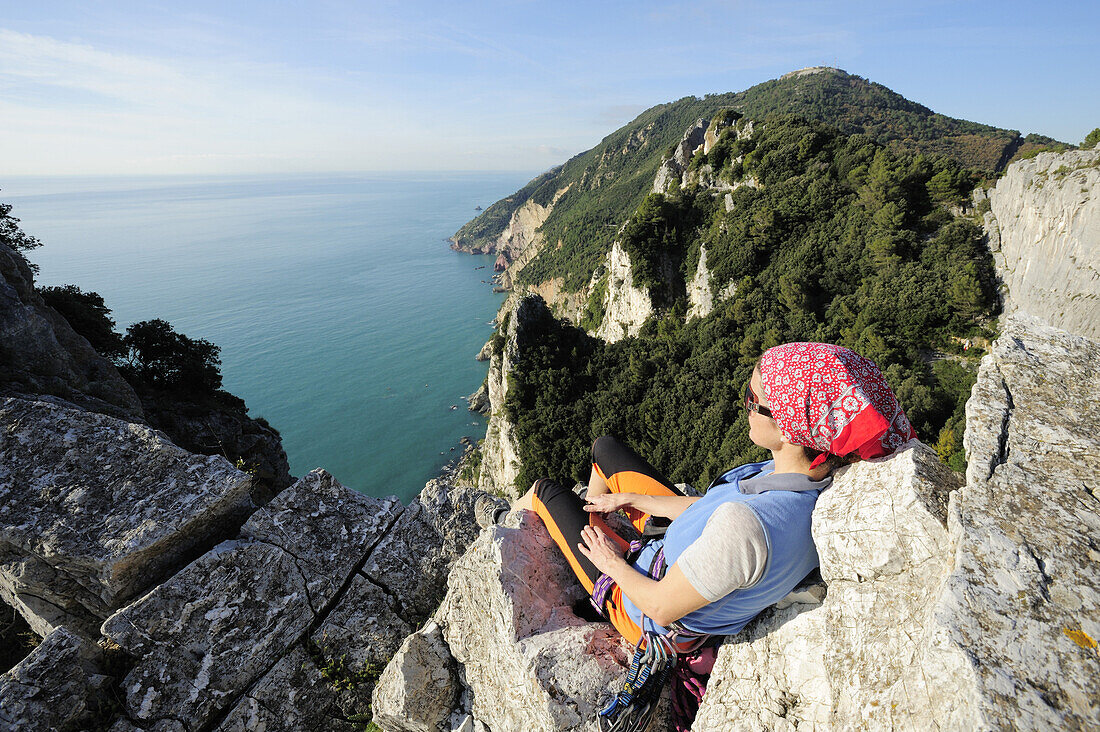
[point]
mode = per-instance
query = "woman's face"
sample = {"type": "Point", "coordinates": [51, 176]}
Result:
{"type": "Point", "coordinates": [762, 430]}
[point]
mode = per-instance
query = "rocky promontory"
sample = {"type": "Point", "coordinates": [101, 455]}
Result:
{"type": "Point", "coordinates": [190, 601]}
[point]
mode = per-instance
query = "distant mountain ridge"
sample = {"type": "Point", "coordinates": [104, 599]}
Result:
{"type": "Point", "coordinates": [600, 188]}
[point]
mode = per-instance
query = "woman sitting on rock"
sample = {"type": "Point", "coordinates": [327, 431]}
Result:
{"type": "Point", "coordinates": [746, 543]}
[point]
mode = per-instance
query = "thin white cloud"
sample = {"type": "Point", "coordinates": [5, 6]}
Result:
{"type": "Point", "coordinates": [72, 107]}
{"type": "Point", "coordinates": [48, 62]}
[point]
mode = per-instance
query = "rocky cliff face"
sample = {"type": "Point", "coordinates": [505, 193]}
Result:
{"type": "Point", "coordinates": [673, 167]}
{"type": "Point", "coordinates": [521, 241]}
{"type": "Point", "coordinates": [1043, 228]}
{"type": "Point", "coordinates": [626, 307]}
{"type": "Point", "coordinates": [40, 354]}
{"type": "Point", "coordinates": [500, 461]}
{"type": "Point", "coordinates": [701, 299]}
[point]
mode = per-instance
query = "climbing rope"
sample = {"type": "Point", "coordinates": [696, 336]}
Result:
{"type": "Point", "coordinates": [633, 707]}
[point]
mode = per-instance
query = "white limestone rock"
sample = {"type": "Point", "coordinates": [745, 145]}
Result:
{"type": "Point", "coordinates": [700, 298]}
{"type": "Point", "coordinates": [210, 631]}
{"type": "Point", "coordinates": [626, 307]}
{"type": "Point", "coordinates": [486, 351]}
{"type": "Point", "coordinates": [868, 655]}
{"type": "Point", "coordinates": [1045, 235]}
{"type": "Point", "coordinates": [507, 619]}
{"type": "Point", "coordinates": [94, 510]}
{"type": "Point", "coordinates": [223, 622]}
{"type": "Point", "coordinates": [673, 168]}
{"type": "Point", "coordinates": [412, 559]}
{"type": "Point", "coordinates": [325, 527]}
{"type": "Point", "coordinates": [419, 687]}
{"type": "Point", "coordinates": [1024, 596]}
{"type": "Point", "coordinates": [500, 461]}
{"type": "Point", "coordinates": [521, 240]}
{"type": "Point", "coordinates": [324, 681]}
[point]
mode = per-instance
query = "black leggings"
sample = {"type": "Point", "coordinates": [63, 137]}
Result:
{"type": "Point", "coordinates": [562, 510]}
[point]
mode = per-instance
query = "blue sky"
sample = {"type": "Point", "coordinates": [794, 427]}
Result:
{"type": "Point", "coordinates": [243, 87]}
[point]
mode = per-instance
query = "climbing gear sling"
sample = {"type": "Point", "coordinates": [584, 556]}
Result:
{"type": "Point", "coordinates": [632, 708]}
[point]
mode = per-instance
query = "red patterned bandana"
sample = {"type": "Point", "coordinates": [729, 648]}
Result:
{"type": "Point", "coordinates": [832, 399]}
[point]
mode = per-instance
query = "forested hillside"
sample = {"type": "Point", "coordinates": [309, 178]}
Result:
{"type": "Point", "coordinates": [607, 183]}
{"type": "Point", "coordinates": [846, 241]}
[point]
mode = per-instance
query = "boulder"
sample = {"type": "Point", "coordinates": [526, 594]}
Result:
{"type": "Point", "coordinates": [529, 662]}
{"type": "Point", "coordinates": [94, 510]}
{"type": "Point", "coordinates": [326, 528]}
{"type": "Point", "coordinates": [419, 688]}
{"type": "Point", "coordinates": [210, 631]}
{"type": "Point", "coordinates": [281, 628]}
{"type": "Point", "coordinates": [412, 560]}
{"type": "Point", "coordinates": [57, 686]}
{"type": "Point", "coordinates": [866, 655]}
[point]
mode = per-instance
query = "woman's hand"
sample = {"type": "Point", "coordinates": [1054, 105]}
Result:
{"type": "Point", "coordinates": [609, 502]}
{"type": "Point", "coordinates": [601, 550]}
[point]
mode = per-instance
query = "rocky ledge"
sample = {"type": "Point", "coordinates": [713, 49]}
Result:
{"type": "Point", "coordinates": [282, 622]}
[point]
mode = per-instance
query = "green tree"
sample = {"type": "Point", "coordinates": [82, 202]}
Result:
{"type": "Point", "coordinates": [1091, 139]}
{"type": "Point", "coordinates": [160, 357]}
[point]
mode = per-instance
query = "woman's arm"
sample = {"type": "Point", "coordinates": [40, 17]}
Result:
{"type": "Point", "coordinates": [662, 601]}
{"type": "Point", "coordinates": [663, 506]}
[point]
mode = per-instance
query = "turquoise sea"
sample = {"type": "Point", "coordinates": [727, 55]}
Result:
{"type": "Point", "coordinates": [342, 315]}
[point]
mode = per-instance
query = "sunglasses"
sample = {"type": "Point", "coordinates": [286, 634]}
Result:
{"type": "Point", "coordinates": [752, 404]}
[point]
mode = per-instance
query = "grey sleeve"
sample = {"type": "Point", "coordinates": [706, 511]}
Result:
{"type": "Point", "coordinates": [731, 553]}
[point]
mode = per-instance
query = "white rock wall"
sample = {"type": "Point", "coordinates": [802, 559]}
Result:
{"type": "Point", "coordinates": [1045, 233]}
{"type": "Point", "coordinates": [500, 460]}
{"type": "Point", "coordinates": [866, 657]}
{"type": "Point", "coordinates": [626, 307]}
{"type": "Point", "coordinates": [1023, 599]}
{"type": "Point", "coordinates": [700, 298]}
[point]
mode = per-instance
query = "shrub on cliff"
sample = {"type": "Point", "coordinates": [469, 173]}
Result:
{"type": "Point", "coordinates": [88, 315]}
{"type": "Point", "coordinates": [1091, 139]}
{"type": "Point", "coordinates": [160, 357]}
{"type": "Point", "coordinates": [13, 236]}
